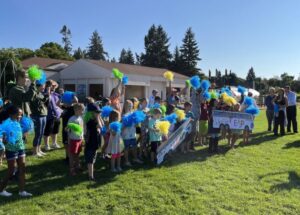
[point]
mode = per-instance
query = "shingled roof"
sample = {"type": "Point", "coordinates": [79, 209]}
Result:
{"type": "Point", "coordinates": [43, 63]}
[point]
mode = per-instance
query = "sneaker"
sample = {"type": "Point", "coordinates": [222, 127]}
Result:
{"type": "Point", "coordinates": [4, 193]}
{"type": "Point", "coordinates": [128, 164]}
{"type": "Point", "coordinates": [56, 146]}
{"type": "Point", "coordinates": [42, 153]}
{"type": "Point", "coordinates": [39, 155]}
{"type": "Point", "coordinates": [47, 148]}
{"type": "Point", "coordinates": [25, 194]}
{"type": "Point", "coordinates": [119, 169]}
{"type": "Point", "coordinates": [138, 161]}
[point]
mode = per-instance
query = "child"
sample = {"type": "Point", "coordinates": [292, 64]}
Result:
{"type": "Point", "coordinates": [15, 153]}
{"type": "Point", "coordinates": [203, 123]}
{"type": "Point", "coordinates": [144, 137]}
{"type": "Point", "coordinates": [189, 144]}
{"type": "Point", "coordinates": [154, 134]}
{"type": "Point", "coordinates": [93, 138]}
{"type": "Point", "coordinates": [115, 146]}
{"type": "Point", "coordinates": [75, 139]}
{"type": "Point", "coordinates": [129, 136]}
{"type": "Point", "coordinates": [235, 133]}
{"type": "Point", "coordinates": [212, 132]}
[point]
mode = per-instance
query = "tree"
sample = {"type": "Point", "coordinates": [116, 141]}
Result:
{"type": "Point", "coordinates": [157, 52]}
{"type": "Point", "coordinates": [66, 33]}
{"type": "Point", "coordinates": [95, 50]}
{"type": "Point", "coordinates": [138, 60]}
{"type": "Point", "coordinates": [251, 78]}
{"type": "Point", "coordinates": [126, 57]}
{"type": "Point", "coordinates": [176, 64]}
{"type": "Point", "coordinates": [113, 60]}
{"type": "Point", "coordinates": [53, 50]}
{"type": "Point", "coordinates": [286, 79]}
{"type": "Point", "coordinates": [189, 53]}
{"type": "Point", "coordinates": [232, 79]}
{"type": "Point", "coordinates": [78, 54]}
{"type": "Point", "coordinates": [209, 74]}
{"type": "Point", "coordinates": [24, 53]}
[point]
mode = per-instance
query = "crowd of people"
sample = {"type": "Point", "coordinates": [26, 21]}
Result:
{"type": "Point", "coordinates": [96, 126]}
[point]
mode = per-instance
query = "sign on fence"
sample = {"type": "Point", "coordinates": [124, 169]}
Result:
{"type": "Point", "coordinates": [174, 140]}
{"type": "Point", "coordinates": [232, 120]}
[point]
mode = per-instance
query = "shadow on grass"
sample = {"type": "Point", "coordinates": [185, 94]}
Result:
{"type": "Point", "coordinates": [53, 175]}
{"type": "Point", "coordinates": [295, 144]}
{"type": "Point", "coordinates": [259, 138]}
{"type": "Point", "coordinates": [293, 181]}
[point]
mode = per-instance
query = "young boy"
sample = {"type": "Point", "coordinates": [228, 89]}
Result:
{"type": "Point", "coordinates": [154, 134]}
{"type": "Point", "coordinates": [93, 138]}
{"type": "Point", "coordinates": [75, 139]}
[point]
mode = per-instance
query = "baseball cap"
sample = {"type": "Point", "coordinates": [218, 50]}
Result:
{"type": "Point", "coordinates": [93, 107]}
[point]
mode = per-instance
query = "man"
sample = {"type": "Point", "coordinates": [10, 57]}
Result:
{"type": "Point", "coordinates": [152, 98]}
{"type": "Point", "coordinates": [270, 107]}
{"type": "Point", "coordinates": [291, 110]}
{"type": "Point", "coordinates": [17, 94]}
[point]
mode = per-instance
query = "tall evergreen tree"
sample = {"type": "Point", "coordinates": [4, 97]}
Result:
{"type": "Point", "coordinates": [78, 54]}
{"type": "Point", "coordinates": [66, 33]}
{"type": "Point", "coordinates": [176, 64]}
{"type": "Point", "coordinates": [190, 53]}
{"type": "Point", "coordinates": [113, 60]}
{"type": "Point", "coordinates": [95, 50]}
{"type": "Point", "coordinates": [122, 58]}
{"type": "Point", "coordinates": [126, 57]}
{"type": "Point", "coordinates": [157, 52]}
{"type": "Point", "coordinates": [251, 78]}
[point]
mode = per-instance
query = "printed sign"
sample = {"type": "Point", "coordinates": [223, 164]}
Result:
{"type": "Point", "coordinates": [81, 91]}
{"type": "Point", "coordinates": [174, 140]}
{"type": "Point", "coordinates": [232, 120]}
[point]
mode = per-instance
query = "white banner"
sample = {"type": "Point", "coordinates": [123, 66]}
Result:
{"type": "Point", "coordinates": [174, 140]}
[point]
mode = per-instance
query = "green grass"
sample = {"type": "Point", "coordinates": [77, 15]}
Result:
{"type": "Point", "coordinates": [260, 178]}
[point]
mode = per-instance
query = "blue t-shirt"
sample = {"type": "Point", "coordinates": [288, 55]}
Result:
{"type": "Point", "coordinates": [154, 136]}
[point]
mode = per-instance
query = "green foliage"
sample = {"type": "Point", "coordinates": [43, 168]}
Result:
{"type": "Point", "coordinates": [126, 56]}
{"type": "Point", "coordinates": [78, 54]}
{"type": "Point", "coordinates": [157, 52]}
{"type": "Point", "coordinates": [53, 50]}
{"type": "Point", "coordinates": [95, 50]}
{"type": "Point", "coordinates": [251, 77]}
{"type": "Point", "coordinates": [66, 33]}
{"type": "Point", "coordinates": [189, 54]}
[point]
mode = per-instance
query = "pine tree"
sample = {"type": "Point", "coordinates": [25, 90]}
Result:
{"type": "Point", "coordinates": [122, 58]}
{"type": "Point", "coordinates": [66, 33]}
{"type": "Point", "coordinates": [113, 60]}
{"type": "Point", "coordinates": [251, 78]}
{"type": "Point", "coordinates": [78, 54]}
{"type": "Point", "coordinates": [95, 49]}
{"type": "Point", "coordinates": [189, 53]}
{"type": "Point", "coordinates": [126, 57]}
{"type": "Point", "coordinates": [176, 64]}
{"type": "Point", "coordinates": [157, 52]}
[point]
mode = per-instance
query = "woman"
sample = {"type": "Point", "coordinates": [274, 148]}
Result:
{"type": "Point", "coordinates": [280, 104]}
{"type": "Point", "coordinates": [39, 111]}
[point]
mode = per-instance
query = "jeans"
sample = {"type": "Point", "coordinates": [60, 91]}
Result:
{"type": "Point", "coordinates": [270, 118]}
{"type": "Point", "coordinates": [279, 122]}
{"type": "Point", "coordinates": [291, 114]}
{"type": "Point", "coordinates": [39, 128]}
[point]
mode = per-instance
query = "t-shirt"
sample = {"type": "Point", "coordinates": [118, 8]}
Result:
{"type": "Point", "coordinates": [204, 112]}
{"type": "Point", "coordinates": [129, 132]}
{"type": "Point", "coordinates": [190, 114]}
{"type": "Point", "coordinates": [77, 120]}
{"type": "Point", "coordinates": [154, 136]}
{"type": "Point", "coordinates": [93, 135]}
{"type": "Point", "coordinates": [19, 145]}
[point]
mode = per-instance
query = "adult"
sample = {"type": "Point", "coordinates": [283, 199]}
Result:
{"type": "Point", "coordinates": [39, 112]}
{"type": "Point", "coordinates": [270, 107]}
{"type": "Point", "coordinates": [280, 102]}
{"type": "Point", "coordinates": [116, 95]}
{"type": "Point", "coordinates": [291, 110]}
{"type": "Point", "coordinates": [17, 94]}
{"type": "Point", "coordinates": [152, 98]}
{"type": "Point", "coordinates": [53, 117]}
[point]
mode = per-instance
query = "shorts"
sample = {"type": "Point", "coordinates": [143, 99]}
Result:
{"type": "Point", "coordinates": [154, 146]}
{"type": "Point", "coordinates": [10, 155]}
{"type": "Point", "coordinates": [52, 127]}
{"type": "Point", "coordinates": [75, 146]}
{"type": "Point", "coordinates": [203, 127]}
{"type": "Point", "coordinates": [130, 143]}
{"type": "Point", "coordinates": [90, 156]}
{"type": "Point", "coordinates": [115, 156]}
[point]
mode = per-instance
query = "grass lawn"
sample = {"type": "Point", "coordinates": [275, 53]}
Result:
{"type": "Point", "coordinates": [260, 178]}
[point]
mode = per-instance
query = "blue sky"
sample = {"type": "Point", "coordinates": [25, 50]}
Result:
{"type": "Point", "coordinates": [232, 34]}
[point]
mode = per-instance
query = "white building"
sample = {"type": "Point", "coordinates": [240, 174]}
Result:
{"type": "Point", "coordinates": [94, 78]}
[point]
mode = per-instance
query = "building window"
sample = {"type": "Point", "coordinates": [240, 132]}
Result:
{"type": "Point", "coordinates": [96, 90]}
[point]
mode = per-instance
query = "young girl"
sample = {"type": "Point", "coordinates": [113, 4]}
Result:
{"type": "Point", "coordinates": [129, 136]}
{"type": "Point", "coordinates": [188, 145]}
{"type": "Point", "coordinates": [155, 136]}
{"type": "Point", "coordinates": [15, 153]}
{"type": "Point", "coordinates": [93, 138]}
{"type": "Point", "coordinates": [115, 146]}
{"type": "Point", "coordinates": [203, 123]}
{"type": "Point", "coordinates": [116, 95]}
{"type": "Point", "coordinates": [213, 133]}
